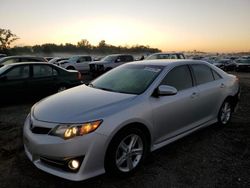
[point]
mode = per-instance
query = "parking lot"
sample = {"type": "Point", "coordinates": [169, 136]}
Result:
{"type": "Point", "coordinates": [212, 157]}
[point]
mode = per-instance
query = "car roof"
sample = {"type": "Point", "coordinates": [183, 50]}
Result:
{"type": "Point", "coordinates": [166, 62]}
{"type": "Point", "coordinates": [22, 56]}
{"type": "Point", "coordinates": [27, 63]}
{"type": "Point", "coordinates": [162, 53]}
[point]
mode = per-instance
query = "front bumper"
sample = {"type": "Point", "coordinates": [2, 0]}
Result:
{"type": "Point", "coordinates": [90, 148]}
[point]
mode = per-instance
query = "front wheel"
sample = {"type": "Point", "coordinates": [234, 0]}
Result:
{"type": "Point", "coordinates": [126, 152]}
{"type": "Point", "coordinates": [225, 113]}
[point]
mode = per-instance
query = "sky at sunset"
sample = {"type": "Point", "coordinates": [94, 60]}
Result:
{"type": "Point", "coordinates": [171, 25]}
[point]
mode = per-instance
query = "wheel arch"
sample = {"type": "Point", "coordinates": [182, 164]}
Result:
{"type": "Point", "coordinates": [127, 126]}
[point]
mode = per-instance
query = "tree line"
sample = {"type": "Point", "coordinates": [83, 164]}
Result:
{"type": "Point", "coordinates": [83, 46]}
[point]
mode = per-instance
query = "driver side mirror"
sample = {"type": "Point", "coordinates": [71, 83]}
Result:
{"type": "Point", "coordinates": [165, 90]}
{"type": "Point", "coordinates": [118, 60]}
{"type": "Point", "coordinates": [78, 61]}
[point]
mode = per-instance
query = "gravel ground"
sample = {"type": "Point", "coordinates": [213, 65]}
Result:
{"type": "Point", "coordinates": [212, 157]}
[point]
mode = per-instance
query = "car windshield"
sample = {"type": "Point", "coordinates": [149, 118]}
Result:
{"type": "Point", "coordinates": [109, 58]}
{"type": "Point", "coordinates": [130, 79]}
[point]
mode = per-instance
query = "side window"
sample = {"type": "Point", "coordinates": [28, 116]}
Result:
{"type": "Point", "coordinates": [40, 71]}
{"type": "Point", "coordinates": [54, 72]}
{"type": "Point", "coordinates": [203, 74]}
{"type": "Point", "coordinates": [84, 59]}
{"type": "Point", "coordinates": [88, 58]}
{"type": "Point", "coordinates": [163, 56]}
{"type": "Point", "coordinates": [173, 56]}
{"type": "Point", "coordinates": [216, 75]}
{"type": "Point", "coordinates": [9, 61]}
{"type": "Point", "coordinates": [128, 58]}
{"type": "Point", "coordinates": [179, 77]}
{"type": "Point", "coordinates": [20, 72]}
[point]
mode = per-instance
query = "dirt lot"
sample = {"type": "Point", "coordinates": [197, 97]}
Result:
{"type": "Point", "coordinates": [213, 157]}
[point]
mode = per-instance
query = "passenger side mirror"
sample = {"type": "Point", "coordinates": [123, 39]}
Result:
{"type": "Point", "coordinates": [165, 90]}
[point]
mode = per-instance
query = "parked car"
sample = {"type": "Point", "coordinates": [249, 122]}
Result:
{"type": "Point", "coordinates": [2, 55]}
{"type": "Point", "coordinates": [225, 64]}
{"type": "Point", "coordinates": [243, 65]}
{"type": "Point", "coordinates": [18, 59]}
{"type": "Point", "coordinates": [30, 79]}
{"type": "Point", "coordinates": [166, 56]}
{"type": "Point", "coordinates": [56, 60]}
{"type": "Point", "coordinates": [79, 62]}
{"type": "Point", "coordinates": [111, 124]}
{"type": "Point", "coordinates": [109, 62]}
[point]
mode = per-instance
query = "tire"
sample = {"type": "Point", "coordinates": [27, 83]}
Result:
{"type": "Point", "coordinates": [126, 152]}
{"type": "Point", "coordinates": [225, 113]}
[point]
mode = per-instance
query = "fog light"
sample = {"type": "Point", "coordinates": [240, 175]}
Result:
{"type": "Point", "coordinates": [73, 164]}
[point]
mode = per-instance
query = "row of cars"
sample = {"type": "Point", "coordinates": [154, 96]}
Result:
{"type": "Point", "coordinates": [28, 76]}
{"type": "Point", "coordinates": [230, 63]}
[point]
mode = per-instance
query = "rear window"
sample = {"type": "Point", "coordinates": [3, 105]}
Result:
{"type": "Point", "coordinates": [203, 74]}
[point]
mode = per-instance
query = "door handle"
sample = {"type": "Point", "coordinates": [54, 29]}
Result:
{"type": "Point", "coordinates": [222, 85]}
{"type": "Point", "coordinates": [194, 94]}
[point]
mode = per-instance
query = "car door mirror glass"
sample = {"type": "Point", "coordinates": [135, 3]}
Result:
{"type": "Point", "coordinates": [164, 90]}
{"type": "Point", "coordinates": [118, 60]}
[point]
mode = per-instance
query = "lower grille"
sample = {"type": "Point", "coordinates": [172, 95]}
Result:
{"type": "Point", "coordinates": [61, 164]}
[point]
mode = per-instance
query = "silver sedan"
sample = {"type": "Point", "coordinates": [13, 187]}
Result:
{"type": "Point", "coordinates": [111, 124]}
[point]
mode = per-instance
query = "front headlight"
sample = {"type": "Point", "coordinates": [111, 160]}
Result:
{"type": "Point", "coordinates": [72, 130]}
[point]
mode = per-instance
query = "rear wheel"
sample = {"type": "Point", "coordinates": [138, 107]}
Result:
{"type": "Point", "coordinates": [225, 113]}
{"type": "Point", "coordinates": [126, 152]}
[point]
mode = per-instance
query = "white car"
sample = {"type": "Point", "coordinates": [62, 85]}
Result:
{"type": "Point", "coordinates": [112, 123]}
{"type": "Point", "coordinates": [80, 63]}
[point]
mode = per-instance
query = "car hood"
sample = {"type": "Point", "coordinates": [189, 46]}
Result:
{"type": "Point", "coordinates": [80, 104]}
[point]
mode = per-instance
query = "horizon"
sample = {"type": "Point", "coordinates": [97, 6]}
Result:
{"type": "Point", "coordinates": [174, 25]}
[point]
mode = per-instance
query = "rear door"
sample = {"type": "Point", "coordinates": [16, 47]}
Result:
{"type": "Point", "coordinates": [176, 114]}
{"type": "Point", "coordinates": [15, 82]}
{"type": "Point", "coordinates": [44, 79]}
{"type": "Point", "coordinates": [82, 64]}
{"type": "Point", "coordinates": [210, 86]}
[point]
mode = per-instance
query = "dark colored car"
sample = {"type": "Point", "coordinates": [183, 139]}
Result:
{"type": "Point", "coordinates": [243, 65]}
{"type": "Point", "coordinates": [31, 79]}
{"type": "Point", "coordinates": [2, 55]}
{"type": "Point", "coordinates": [19, 59]}
{"type": "Point", "coordinates": [226, 64]}
{"type": "Point", "coordinates": [109, 62]}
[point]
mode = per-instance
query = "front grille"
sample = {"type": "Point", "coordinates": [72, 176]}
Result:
{"type": "Point", "coordinates": [40, 130]}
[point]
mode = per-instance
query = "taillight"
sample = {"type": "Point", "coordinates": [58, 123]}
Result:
{"type": "Point", "coordinates": [79, 76]}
